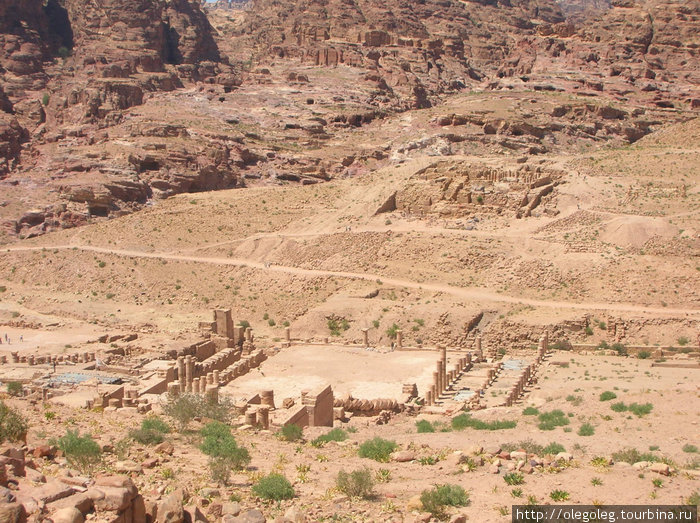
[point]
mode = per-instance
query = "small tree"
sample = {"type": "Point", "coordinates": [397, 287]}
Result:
{"type": "Point", "coordinates": [82, 452]}
{"type": "Point", "coordinates": [224, 453]}
{"type": "Point", "coordinates": [13, 427]}
{"type": "Point", "coordinates": [183, 409]}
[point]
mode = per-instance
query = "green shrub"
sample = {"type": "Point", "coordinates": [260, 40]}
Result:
{"type": "Point", "coordinates": [64, 52]}
{"type": "Point", "coordinates": [574, 400]}
{"type": "Point", "coordinates": [559, 495]}
{"type": "Point", "coordinates": [155, 423]}
{"type": "Point", "coordinates": [693, 499]}
{"type": "Point", "coordinates": [423, 425]}
{"type": "Point", "coordinates": [643, 354]}
{"type": "Point", "coordinates": [391, 331]}
{"type": "Point", "coordinates": [640, 410]}
{"type": "Point", "coordinates": [682, 341]}
{"type": "Point", "coordinates": [146, 437]}
{"type": "Point", "coordinates": [377, 449]}
{"type": "Point", "coordinates": [151, 432]}
{"type": "Point", "coordinates": [586, 430]}
{"type": "Point", "coordinates": [224, 453]}
{"type": "Point", "coordinates": [336, 434]}
{"type": "Point", "coordinates": [633, 456]}
{"type": "Point", "coordinates": [553, 448]}
{"type": "Point", "coordinates": [14, 388]}
{"type": "Point", "coordinates": [337, 325]}
{"type": "Point", "coordinates": [82, 452]}
{"type": "Point", "coordinates": [291, 432]}
{"type": "Point", "coordinates": [465, 420]}
{"type": "Point", "coordinates": [619, 348]}
{"type": "Point", "coordinates": [45, 99]}
{"type": "Point", "coordinates": [437, 499]}
{"type": "Point", "coordinates": [13, 426]}
{"type": "Point", "coordinates": [552, 419]}
{"type": "Point", "coordinates": [357, 484]}
{"type": "Point", "coordinates": [244, 323]}
{"type": "Point", "coordinates": [514, 478]}
{"type": "Point", "coordinates": [607, 395]}
{"type": "Point", "coordinates": [274, 487]}
{"type": "Point", "coordinates": [689, 448]}
{"type": "Point", "coordinates": [185, 407]}
{"type": "Point", "coordinates": [530, 411]}
{"type": "Point", "coordinates": [618, 407]}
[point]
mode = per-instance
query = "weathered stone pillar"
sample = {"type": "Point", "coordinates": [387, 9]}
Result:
{"type": "Point", "coordinates": [399, 339]}
{"type": "Point", "coordinates": [267, 398]}
{"type": "Point", "coordinates": [174, 389]}
{"type": "Point", "coordinates": [202, 385]}
{"type": "Point", "coordinates": [429, 398]}
{"type": "Point", "coordinates": [249, 334]}
{"type": "Point", "coordinates": [436, 384]}
{"type": "Point", "coordinates": [195, 385]}
{"type": "Point", "coordinates": [181, 373]}
{"type": "Point", "coordinates": [365, 337]}
{"type": "Point", "coordinates": [213, 395]}
{"type": "Point", "coordinates": [215, 377]}
{"type": "Point", "coordinates": [438, 367]}
{"type": "Point", "coordinates": [250, 418]}
{"type": "Point", "coordinates": [288, 334]}
{"type": "Point", "coordinates": [189, 371]}
{"type": "Point", "coordinates": [264, 417]}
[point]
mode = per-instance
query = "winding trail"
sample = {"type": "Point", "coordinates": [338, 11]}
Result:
{"type": "Point", "coordinates": [473, 293]}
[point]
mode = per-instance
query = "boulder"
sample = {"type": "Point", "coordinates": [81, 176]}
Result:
{"type": "Point", "coordinates": [68, 515]}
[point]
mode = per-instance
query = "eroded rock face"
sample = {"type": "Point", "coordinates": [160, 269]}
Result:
{"type": "Point", "coordinates": [12, 136]}
{"type": "Point", "coordinates": [414, 50]}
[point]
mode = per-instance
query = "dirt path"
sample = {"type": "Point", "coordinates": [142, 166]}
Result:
{"type": "Point", "coordinates": [473, 293]}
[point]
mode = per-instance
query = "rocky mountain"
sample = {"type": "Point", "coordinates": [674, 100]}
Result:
{"type": "Point", "coordinates": [106, 104]}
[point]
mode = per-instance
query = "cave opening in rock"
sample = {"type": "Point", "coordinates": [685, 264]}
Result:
{"type": "Point", "coordinates": [59, 27]}
{"type": "Point", "coordinates": [171, 52]}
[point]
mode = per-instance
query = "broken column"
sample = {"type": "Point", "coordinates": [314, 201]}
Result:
{"type": "Point", "coordinates": [174, 389]}
{"type": "Point", "coordinates": [250, 418]}
{"type": "Point", "coordinates": [212, 395]}
{"type": "Point", "coordinates": [264, 417]}
{"type": "Point", "coordinates": [288, 335]}
{"type": "Point", "coordinates": [479, 352]}
{"type": "Point", "coordinates": [267, 398]}
{"type": "Point", "coordinates": [429, 398]}
{"type": "Point", "coordinates": [181, 373]}
{"type": "Point", "coordinates": [195, 385]}
{"type": "Point", "coordinates": [399, 339]}
{"type": "Point", "coordinates": [189, 372]}
{"type": "Point", "coordinates": [365, 337]}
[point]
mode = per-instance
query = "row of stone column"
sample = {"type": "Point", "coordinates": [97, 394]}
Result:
{"type": "Point", "coordinates": [31, 359]}
{"type": "Point", "coordinates": [242, 367]}
{"type": "Point", "coordinates": [528, 375]}
{"type": "Point", "coordinates": [219, 361]}
{"type": "Point", "coordinates": [442, 378]}
{"type": "Point", "coordinates": [491, 375]}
